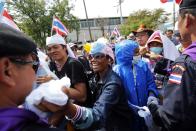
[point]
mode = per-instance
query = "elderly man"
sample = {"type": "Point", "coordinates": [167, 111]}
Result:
{"type": "Point", "coordinates": [18, 64]}
{"type": "Point", "coordinates": [142, 34]}
{"type": "Point", "coordinates": [178, 112]}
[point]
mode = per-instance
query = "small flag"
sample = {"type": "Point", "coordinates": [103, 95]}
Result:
{"type": "Point", "coordinates": [175, 78]}
{"type": "Point", "coordinates": [165, 1]}
{"type": "Point", "coordinates": [58, 26]}
{"type": "Point", "coordinates": [7, 19]}
{"type": "Point", "coordinates": [116, 32]}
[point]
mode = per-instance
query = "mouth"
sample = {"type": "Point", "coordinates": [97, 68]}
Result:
{"type": "Point", "coordinates": [95, 66]}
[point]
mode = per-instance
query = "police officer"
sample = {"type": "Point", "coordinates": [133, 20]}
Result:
{"type": "Point", "coordinates": [178, 112]}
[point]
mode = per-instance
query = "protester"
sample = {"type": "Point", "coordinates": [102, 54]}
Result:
{"type": "Point", "coordinates": [110, 111]}
{"type": "Point", "coordinates": [18, 64]}
{"type": "Point", "coordinates": [162, 53]}
{"type": "Point", "coordinates": [142, 34]}
{"type": "Point", "coordinates": [169, 34]}
{"type": "Point", "coordinates": [178, 112]}
{"type": "Point", "coordinates": [137, 79]}
{"type": "Point", "coordinates": [74, 48]}
{"type": "Point", "coordinates": [131, 36]}
{"type": "Point", "coordinates": [84, 57]}
{"type": "Point", "coordinates": [64, 65]}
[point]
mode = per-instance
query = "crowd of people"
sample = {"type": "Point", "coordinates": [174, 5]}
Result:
{"type": "Point", "coordinates": [143, 82]}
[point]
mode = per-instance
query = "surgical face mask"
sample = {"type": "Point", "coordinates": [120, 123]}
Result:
{"type": "Point", "coordinates": [156, 50]}
{"type": "Point", "coordinates": [136, 59]}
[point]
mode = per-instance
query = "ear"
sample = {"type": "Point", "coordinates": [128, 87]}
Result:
{"type": "Point", "coordinates": [6, 72]}
{"type": "Point", "coordinates": [188, 21]}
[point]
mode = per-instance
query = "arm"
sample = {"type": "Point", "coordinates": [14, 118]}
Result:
{"type": "Point", "coordinates": [170, 113]}
{"type": "Point", "coordinates": [151, 86]}
{"type": "Point", "coordinates": [78, 93]}
{"type": "Point", "coordinates": [78, 82]}
{"type": "Point", "coordinates": [85, 117]}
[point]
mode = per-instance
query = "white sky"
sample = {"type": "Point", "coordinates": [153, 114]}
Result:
{"type": "Point", "coordinates": [106, 8]}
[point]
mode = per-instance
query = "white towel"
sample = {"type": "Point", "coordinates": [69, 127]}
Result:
{"type": "Point", "coordinates": [50, 91]}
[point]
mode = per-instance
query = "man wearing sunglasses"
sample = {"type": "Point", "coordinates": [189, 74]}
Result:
{"type": "Point", "coordinates": [18, 64]}
{"type": "Point", "coordinates": [110, 111]}
{"type": "Point", "coordinates": [178, 112]}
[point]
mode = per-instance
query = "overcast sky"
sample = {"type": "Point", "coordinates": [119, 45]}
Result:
{"type": "Point", "coordinates": [107, 8]}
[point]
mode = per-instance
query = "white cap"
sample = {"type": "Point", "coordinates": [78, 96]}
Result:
{"type": "Point", "coordinates": [103, 40]}
{"type": "Point", "coordinates": [71, 45]}
{"type": "Point", "coordinates": [55, 40]}
{"type": "Point", "coordinates": [101, 47]}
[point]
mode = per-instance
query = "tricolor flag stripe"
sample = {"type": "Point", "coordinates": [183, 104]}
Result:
{"type": "Point", "coordinates": [174, 81]}
{"type": "Point", "coordinates": [175, 78]}
{"type": "Point", "coordinates": [165, 1]}
{"type": "Point", "coordinates": [115, 31]}
{"type": "Point", "coordinates": [7, 19]}
{"type": "Point", "coordinates": [58, 26]}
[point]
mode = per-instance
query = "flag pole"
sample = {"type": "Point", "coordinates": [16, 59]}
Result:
{"type": "Point", "coordinates": [174, 11]}
{"type": "Point", "coordinates": [52, 26]}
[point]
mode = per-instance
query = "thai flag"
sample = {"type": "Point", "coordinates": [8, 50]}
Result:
{"type": "Point", "coordinates": [177, 1]}
{"type": "Point", "coordinates": [175, 78]}
{"type": "Point", "coordinates": [116, 32]}
{"type": "Point", "coordinates": [7, 19]}
{"type": "Point", "coordinates": [58, 26]}
{"type": "Point", "coordinates": [164, 1]}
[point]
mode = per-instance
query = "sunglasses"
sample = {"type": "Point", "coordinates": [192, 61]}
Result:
{"type": "Point", "coordinates": [97, 56]}
{"type": "Point", "coordinates": [35, 63]}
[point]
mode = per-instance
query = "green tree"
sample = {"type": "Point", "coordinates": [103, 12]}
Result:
{"type": "Point", "coordinates": [152, 19]}
{"type": "Point", "coordinates": [34, 17]}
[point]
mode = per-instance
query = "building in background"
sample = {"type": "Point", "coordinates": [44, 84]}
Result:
{"type": "Point", "coordinates": [99, 27]}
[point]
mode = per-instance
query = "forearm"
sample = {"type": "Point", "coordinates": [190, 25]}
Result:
{"type": "Point", "coordinates": [81, 117]}
{"type": "Point", "coordinates": [77, 95]}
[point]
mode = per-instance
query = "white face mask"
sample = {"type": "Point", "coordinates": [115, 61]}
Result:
{"type": "Point", "coordinates": [136, 58]}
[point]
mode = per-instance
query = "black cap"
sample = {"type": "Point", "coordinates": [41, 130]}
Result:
{"type": "Point", "coordinates": [188, 4]}
{"type": "Point", "coordinates": [14, 43]}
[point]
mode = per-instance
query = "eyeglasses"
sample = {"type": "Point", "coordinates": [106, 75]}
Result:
{"type": "Point", "coordinates": [97, 56]}
{"type": "Point", "coordinates": [34, 63]}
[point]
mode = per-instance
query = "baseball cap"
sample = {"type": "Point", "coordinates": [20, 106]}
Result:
{"type": "Point", "coordinates": [14, 42]}
{"type": "Point", "coordinates": [188, 4]}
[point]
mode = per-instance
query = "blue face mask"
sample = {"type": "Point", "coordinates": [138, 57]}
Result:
{"type": "Point", "coordinates": [156, 50]}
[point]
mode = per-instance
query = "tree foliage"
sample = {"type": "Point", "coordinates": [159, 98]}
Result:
{"type": "Point", "coordinates": [34, 17]}
{"type": "Point", "coordinates": [152, 19]}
